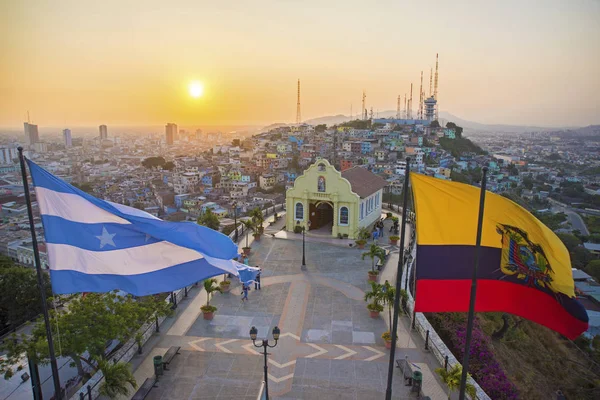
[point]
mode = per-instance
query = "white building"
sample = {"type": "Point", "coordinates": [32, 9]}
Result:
{"type": "Point", "coordinates": [103, 132]}
{"type": "Point", "coordinates": [8, 155]}
{"type": "Point", "coordinates": [31, 133]}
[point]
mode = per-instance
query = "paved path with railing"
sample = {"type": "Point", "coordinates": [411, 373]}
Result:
{"type": "Point", "coordinates": [329, 347]}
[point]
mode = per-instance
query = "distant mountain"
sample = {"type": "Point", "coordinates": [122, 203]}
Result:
{"type": "Point", "coordinates": [469, 126]}
{"type": "Point", "coordinates": [587, 131]}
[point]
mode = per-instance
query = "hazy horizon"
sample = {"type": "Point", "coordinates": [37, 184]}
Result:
{"type": "Point", "coordinates": [74, 64]}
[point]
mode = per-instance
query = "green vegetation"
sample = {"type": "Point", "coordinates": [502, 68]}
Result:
{"type": "Point", "coordinates": [593, 223]}
{"type": "Point", "coordinates": [374, 252]}
{"type": "Point", "coordinates": [434, 124]}
{"type": "Point", "coordinates": [209, 219]}
{"type": "Point", "coordinates": [19, 293]}
{"type": "Point", "coordinates": [593, 268]}
{"type": "Point", "coordinates": [86, 187]}
{"type": "Point", "coordinates": [320, 128]}
{"type": "Point", "coordinates": [357, 124]}
{"type": "Point", "coordinates": [452, 378]}
{"type": "Point", "coordinates": [117, 377]}
{"type": "Point", "coordinates": [535, 359]}
{"type": "Point", "coordinates": [153, 162]}
{"type": "Point", "coordinates": [460, 146]}
{"type": "Point", "coordinates": [114, 317]}
{"type": "Point", "coordinates": [552, 221]}
{"type": "Point", "coordinates": [458, 130]}
{"type": "Point", "coordinates": [229, 228]}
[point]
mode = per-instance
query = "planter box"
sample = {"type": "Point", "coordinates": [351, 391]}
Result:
{"type": "Point", "coordinates": [208, 315]}
{"type": "Point", "coordinates": [374, 314]}
{"type": "Point", "coordinates": [394, 242]}
{"type": "Point", "coordinates": [373, 278]}
{"type": "Point", "coordinates": [225, 288]}
{"type": "Point", "coordinates": [388, 344]}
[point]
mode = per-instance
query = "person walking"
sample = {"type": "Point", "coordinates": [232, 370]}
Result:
{"type": "Point", "coordinates": [257, 280]}
{"type": "Point", "coordinates": [244, 292]}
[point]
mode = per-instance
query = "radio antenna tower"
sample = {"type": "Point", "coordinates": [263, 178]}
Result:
{"type": "Point", "coordinates": [435, 87]}
{"type": "Point", "coordinates": [430, 82]}
{"type": "Point", "coordinates": [364, 108]}
{"type": "Point", "coordinates": [398, 115]}
{"type": "Point", "coordinates": [421, 98]}
{"type": "Point", "coordinates": [405, 107]}
{"type": "Point", "coordinates": [410, 103]}
{"type": "Point", "coordinates": [298, 116]}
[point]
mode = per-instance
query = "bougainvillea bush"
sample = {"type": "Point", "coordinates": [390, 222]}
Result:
{"type": "Point", "coordinates": [452, 328]}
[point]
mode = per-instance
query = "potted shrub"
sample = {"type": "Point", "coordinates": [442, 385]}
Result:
{"type": "Point", "coordinates": [375, 296]}
{"type": "Point", "coordinates": [360, 243]}
{"type": "Point", "coordinates": [395, 219]}
{"type": "Point", "coordinates": [374, 309]}
{"type": "Point", "coordinates": [388, 215]}
{"type": "Point", "coordinates": [452, 379]}
{"type": "Point", "coordinates": [387, 336]}
{"type": "Point", "coordinates": [246, 250]}
{"type": "Point", "coordinates": [225, 286]}
{"type": "Point", "coordinates": [373, 276]}
{"type": "Point", "coordinates": [394, 240]}
{"type": "Point", "coordinates": [373, 253]}
{"type": "Point", "coordinates": [210, 285]}
{"type": "Point", "coordinates": [297, 229]}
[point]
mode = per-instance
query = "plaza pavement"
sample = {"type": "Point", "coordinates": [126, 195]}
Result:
{"type": "Point", "coordinates": [329, 347]}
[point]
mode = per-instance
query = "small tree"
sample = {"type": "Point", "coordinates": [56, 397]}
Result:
{"type": "Point", "coordinates": [388, 296]}
{"type": "Point", "coordinates": [374, 252]}
{"type": "Point", "coordinates": [452, 379]}
{"type": "Point", "coordinates": [117, 377]}
{"type": "Point", "coordinates": [210, 220]}
{"type": "Point", "coordinates": [250, 226]}
{"type": "Point", "coordinates": [375, 296]}
{"type": "Point", "coordinates": [257, 218]}
{"type": "Point", "coordinates": [210, 285]}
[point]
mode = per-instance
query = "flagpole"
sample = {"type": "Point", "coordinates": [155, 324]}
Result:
{"type": "Point", "coordinates": [38, 267]}
{"type": "Point", "coordinates": [471, 318]}
{"type": "Point", "coordinates": [388, 391]}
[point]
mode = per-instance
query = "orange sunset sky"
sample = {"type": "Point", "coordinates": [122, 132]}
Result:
{"type": "Point", "coordinates": [124, 62]}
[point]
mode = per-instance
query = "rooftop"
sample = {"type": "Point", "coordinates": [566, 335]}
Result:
{"type": "Point", "coordinates": [364, 182]}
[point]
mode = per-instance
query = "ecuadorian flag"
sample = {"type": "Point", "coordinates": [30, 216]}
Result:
{"type": "Point", "coordinates": [524, 268]}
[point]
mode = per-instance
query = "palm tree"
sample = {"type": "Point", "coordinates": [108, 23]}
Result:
{"type": "Point", "coordinates": [452, 379]}
{"type": "Point", "coordinates": [116, 379]}
{"type": "Point", "coordinates": [375, 295]}
{"type": "Point", "coordinates": [257, 218]}
{"type": "Point", "coordinates": [374, 252]}
{"type": "Point", "coordinates": [250, 226]}
{"type": "Point", "coordinates": [388, 295]}
{"type": "Point", "coordinates": [210, 285]}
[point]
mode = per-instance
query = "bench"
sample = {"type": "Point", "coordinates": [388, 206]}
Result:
{"type": "Point", "coordinates": [143, 391]}
{"type": "Point", "coordinates": [407, 370]}
{"type": "Point", "coordinates": [170, 354]}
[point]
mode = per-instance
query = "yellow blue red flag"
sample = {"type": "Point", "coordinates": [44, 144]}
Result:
{"type": "Point", "coordinates": [524, 268]}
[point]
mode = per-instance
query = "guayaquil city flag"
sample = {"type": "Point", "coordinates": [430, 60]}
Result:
{"type": "Point", "coordinates": [524, 268]}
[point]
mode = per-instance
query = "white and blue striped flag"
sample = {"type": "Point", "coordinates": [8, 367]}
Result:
{"type": "Point", "coordinates": [98, 246]}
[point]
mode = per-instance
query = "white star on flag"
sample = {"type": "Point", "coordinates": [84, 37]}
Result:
{"type": "Point", "coordinates": [106, 238]}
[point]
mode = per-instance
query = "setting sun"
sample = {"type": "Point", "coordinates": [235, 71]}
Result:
{"type": "Point", "coordinates": [196, 89]}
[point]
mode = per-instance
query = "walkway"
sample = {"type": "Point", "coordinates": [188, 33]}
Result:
{"type": "Point", "coordinates": [329, 346]}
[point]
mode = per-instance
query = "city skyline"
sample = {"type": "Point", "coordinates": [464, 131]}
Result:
{"type": "Point", "coordinates": [532, 64]}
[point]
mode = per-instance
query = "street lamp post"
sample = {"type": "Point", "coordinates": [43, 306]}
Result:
{"type": "Point", "coordinates": [235, 220]}
{"type": "Point", "coordinates": [303, 243]}
{"type": "Point", "coordinates": [264, 345]}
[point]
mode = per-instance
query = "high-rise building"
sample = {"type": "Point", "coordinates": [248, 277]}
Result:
{"type": "Point", "coordinates": [103, 132]}
{"type": "Point", "coordinates": [198, 134]}
{"type": "Point", "coordinates": [67, 137]}
{"type": "Point", "coordinates": [32, 135]}
{"type": "Point", "coordinates": [170, 132]}
{"type": "Point", "coordinates": [8, 155]}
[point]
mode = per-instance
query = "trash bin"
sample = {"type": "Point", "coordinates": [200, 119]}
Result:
{"type": "Point", "coordinates": [417, 381]}
{"type": "Point", "coordinates": [158, 366]}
